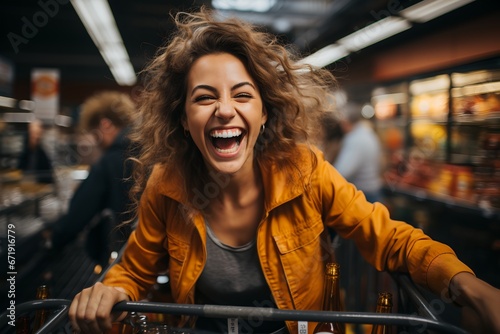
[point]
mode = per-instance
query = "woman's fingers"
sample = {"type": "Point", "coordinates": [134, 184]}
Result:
{"type": "Point", "coordinates": [90, 311]}
{"type": "Point", "coordinates": [72, 313]}
{"type": "Point", "coordinates": [82, 312]}
{"type": "Point", "coordinates": [103, 313]}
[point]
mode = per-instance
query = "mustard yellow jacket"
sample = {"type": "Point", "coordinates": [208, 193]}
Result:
{"type": "Point", "coordinates": [298, 206]}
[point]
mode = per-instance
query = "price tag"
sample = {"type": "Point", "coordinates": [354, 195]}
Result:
{"type": "Point", "coordinates": [232, 326]}
{"type": "Point", "coordinates": [302, 327]}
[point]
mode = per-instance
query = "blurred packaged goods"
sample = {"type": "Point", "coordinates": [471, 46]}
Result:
{"type": "Point", "coordinates": [446, 144]}
{"type": "Point", "coordinates": [434, 106]}
{"type": "Point", "coordinates": [430, 98]}
{"type": "Point", "coordinates": [429, 139]}
{"type": "Point", "coordinates": [470, 184]}
{"type": "Point", "coordinates": [392, 138]}
{"type": "Point", "coordinates": [476, 94]}
{"type": "Point", "coordinates": [454, 180]}
{"type": "Point", "coordinates": [385, 109]}
{"type": "Point", "coordinates": [444, 182]}
{"type": "Point", "coordinates": [464, 182]}
{"type": "Point", "coordinates": [482, 106]}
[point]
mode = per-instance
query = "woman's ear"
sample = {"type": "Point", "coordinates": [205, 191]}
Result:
{"type": "Point", "coordinates": [264, 115]}
{"type": "Point", "coordinates": [184, 123]}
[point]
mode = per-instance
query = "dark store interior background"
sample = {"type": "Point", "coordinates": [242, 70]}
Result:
{"type": "Point", "coordinates": [434, 86]}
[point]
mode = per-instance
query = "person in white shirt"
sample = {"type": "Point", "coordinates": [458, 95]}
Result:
{"type": "Point", "coordinates": [360, 156]}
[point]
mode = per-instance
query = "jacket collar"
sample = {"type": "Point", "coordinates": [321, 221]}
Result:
{"type": "Point", "coordinates": [284, 184]}
{"type": "Point", "coordinates": [280, 184]}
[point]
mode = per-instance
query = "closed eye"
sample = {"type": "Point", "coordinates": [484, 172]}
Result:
{"type": "Point", "coordinates": [203, 98]}
{"type": "Point", "coordinates": [243, 96]}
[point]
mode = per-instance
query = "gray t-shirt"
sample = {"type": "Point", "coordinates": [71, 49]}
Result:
{"type": "Point", "coordinates": [233, 276]}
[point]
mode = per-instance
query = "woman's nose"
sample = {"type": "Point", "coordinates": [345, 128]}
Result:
{"type": "Point", "coordinates": [225, 110]}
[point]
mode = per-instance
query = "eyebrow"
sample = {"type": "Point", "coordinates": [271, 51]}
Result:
{"type": "Point", "coordinates": [212, 89]}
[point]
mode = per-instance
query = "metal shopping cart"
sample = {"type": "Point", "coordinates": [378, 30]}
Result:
{"type": "Point", "coordinates": [415, 313]}
{"type": "Point", "coordinates": [420, 320]}
{"type": "Point", "coordinates": [424, 322]}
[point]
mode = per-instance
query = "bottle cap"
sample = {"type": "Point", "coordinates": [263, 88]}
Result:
{"type": "Point", "coordinates": [385, 299]}
{"type": "Point", "coordinates": [332, 269]}
{"type": "Point", "coordinates": [42, 292]}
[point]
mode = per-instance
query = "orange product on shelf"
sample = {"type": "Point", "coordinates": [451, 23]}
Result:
{"type": "Point", "coordinates": [493, 101]}
{"type": "Point", "coordinates": [429, 139]}
{"type": "Point", "coordinates": [385, 110]}
{"type": "Point", "coordinates": [464, 182]}
{"type": "Point", "coordinates": [431, 105]}
{"type": "Point", "coordinates": [444, 183]}
{"type": "Point", "coordinates": [393, 139]}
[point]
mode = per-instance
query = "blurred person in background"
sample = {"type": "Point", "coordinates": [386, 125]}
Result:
{"type": "Point", "coordinates": [34, 161]}
{"type": "Point", "coordinates": [360, 157]}
{"type": "Point", "coordinates": [331, 135]}
{"type": "Point", "coordinates": [102, 198]}
{"type": "Point", "coordinates": [359, 160]}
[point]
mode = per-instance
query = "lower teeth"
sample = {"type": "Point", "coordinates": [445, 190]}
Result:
{"type": "Point", "coordinates": [229, 150]}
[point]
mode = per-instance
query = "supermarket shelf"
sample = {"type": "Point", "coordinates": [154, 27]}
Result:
{"type": "Point", "coordinates": [422, 195]}
{"type": "Point", "coordinates": [491, 120]}
{"type": "Point", "coordinates": [20, 195]}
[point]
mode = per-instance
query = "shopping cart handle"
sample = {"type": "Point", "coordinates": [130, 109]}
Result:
{"type": "Point", "coordinates": [271, 314]}
{"type": "Point", "coordinates": [218, 311]}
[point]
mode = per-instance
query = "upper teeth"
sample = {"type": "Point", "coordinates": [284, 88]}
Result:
{"type": "Point", "coordinates": [225, 133]}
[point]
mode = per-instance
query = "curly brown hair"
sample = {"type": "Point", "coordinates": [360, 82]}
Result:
{"type": "Point", "coordinates": [294, 95]}
{"type": "Point", "coordinates": [116, 106]}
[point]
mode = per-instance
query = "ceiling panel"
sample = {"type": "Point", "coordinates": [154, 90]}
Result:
{"type": "Point", "coordinates": [48, 33]}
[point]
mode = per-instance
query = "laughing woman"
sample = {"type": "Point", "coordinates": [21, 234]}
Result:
{"type": "Point", "coordinates": [234, 202]}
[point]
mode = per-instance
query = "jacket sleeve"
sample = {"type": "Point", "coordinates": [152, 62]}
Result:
{"type": "Point", "coordinates": [385, 243]}
{"type": "Point", "coordinates": [145, 255]}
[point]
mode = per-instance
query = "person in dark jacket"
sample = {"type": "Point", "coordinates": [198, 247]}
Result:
{"type": "Point", "coordinates": [101, 201]}
{"type": "Point", "coordinates": [34, 160]}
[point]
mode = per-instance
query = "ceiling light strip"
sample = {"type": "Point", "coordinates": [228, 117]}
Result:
{"type": "Point", "coordinates": [421, 12]}
{"type": "Point", "coordinates": [98, 19]}
{"type": "Point", "coordinates": [427, 10]}
{"type": "Point", "coordinates": [374, 33]}
{"type": "Point", "coordinates": [325, 56]}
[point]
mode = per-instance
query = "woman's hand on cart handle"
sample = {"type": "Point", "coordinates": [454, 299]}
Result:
{"type": "Point", "coordinates": [90, 310]}
{"type": "Point", "coordinates": [474, 293]}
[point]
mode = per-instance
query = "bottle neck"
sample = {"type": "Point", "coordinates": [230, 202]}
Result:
{"type": "Point", "coordinates": [384, 303]}
{"type": "Point", "coordinates": [42, 292]}
{"type": "Point", "coordinates": [383, 309]}
{"type": "Point", "coordinates": [331, 299]}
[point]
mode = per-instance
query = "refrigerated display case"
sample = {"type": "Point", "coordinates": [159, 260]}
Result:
{"type": "Point", "coordinates": [446, 177]}
{"type": "Point", "coordinates": [452, 149]}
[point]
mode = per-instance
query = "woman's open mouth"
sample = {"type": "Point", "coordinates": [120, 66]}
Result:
{"type": "Point", "coordinates": [226, 141]}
